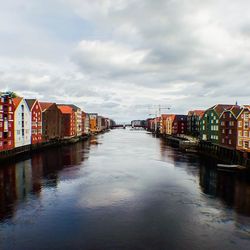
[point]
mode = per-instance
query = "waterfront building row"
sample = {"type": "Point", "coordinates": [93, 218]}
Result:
{"type": "Point", "coordinates": [26, 122]}
{"type": "Point", "coordinates": [222, 124]}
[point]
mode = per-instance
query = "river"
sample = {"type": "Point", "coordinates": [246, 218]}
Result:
{"type": "Point", "coordinates": [122, 190]}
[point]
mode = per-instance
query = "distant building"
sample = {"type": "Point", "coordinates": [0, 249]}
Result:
{"type": "Point", "coordinates": [193, 122]}
{"type": "Point", "coordinates": [93, 122]}
{"type": "Point", "coordinates": [6, 122]}
{"type": "Point", "coordinates": [169, 124]}
{"type": "Point", "coordinates": [36, 120]}
{"type": "Point", "coordinates": [179, 125]}
{"type": "Point", "coordinates": [22, 121]}
{"type": "Point", "coordinates": [68, 126]}
{"type": "Point", "coordinates": [136, 123]}
{"type": "Point", "coordinates": [243, 127]}
{"type": "Point", "coordinates": [78, 118]}
{"type": "Point", "coordinates": [85, 123]}
{"type": "Point", "coordinates": [51, 121]}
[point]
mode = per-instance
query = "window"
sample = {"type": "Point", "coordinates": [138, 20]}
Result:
{"type": "Point", "coordinates": [223, 131]}
{"type": "Point", "coordinates": [245, 133]}
{"type": "Point", "coordinates": [240, 124]}
{"type": "Point", "coordinates": [239, 133]}
{"type": "Point", "coordinates": [229, 142]}
{"type": "Point", "coordinates": [230, 131]}
{"type": "Point", "coordinates": [1, 134]}
{"type": "Point", "coordinates": [223, 140]}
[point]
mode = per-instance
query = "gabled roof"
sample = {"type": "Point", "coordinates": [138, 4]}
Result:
{"type": "Point", "coordinates": [171, 117]}
{"type": "Point", "coordinates": [17, 101]}
{"type": "Point", "coordinates": [30, 103]}
{"type": "Point", "coordinates": [65, 109]}
{"type": "Point", "coordinates": [180, 117]}
{"type": "Point", "coordinates": [235, 111]}
{"type": "Point", "coordinates": [219, 108]}
{"type": "Point", "coordinates": [74, 107]}
{"type": "Point", "coordinates": [199, 113]}
{"type": "Point", "coordinates": [243, 108]}
{"type": "Point", "coordinates": [45, 105]}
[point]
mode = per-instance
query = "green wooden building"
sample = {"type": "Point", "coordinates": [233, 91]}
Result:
{"type": "Point", "coordinates": [209, 123]}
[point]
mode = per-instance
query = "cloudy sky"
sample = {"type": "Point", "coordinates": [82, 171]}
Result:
{"type": "Point", "coordinates": [120, 57]}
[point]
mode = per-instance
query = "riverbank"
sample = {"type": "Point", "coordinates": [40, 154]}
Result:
{"type": "Point", "coordinates": [226, 155]}
{"type": "Point", "coordinates": [28, 150]}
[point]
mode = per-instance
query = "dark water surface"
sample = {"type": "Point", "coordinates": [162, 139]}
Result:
{"type": "Point", "coordinates": [122, 190]}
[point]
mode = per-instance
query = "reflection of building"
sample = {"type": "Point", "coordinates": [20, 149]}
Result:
{"type": "Point", "coordinates": [208, 180]}
{"type": "Point", "coordinates": [23, 174]}
{"type": "Point", "coordinates": [242, 197]}
{"type": "Point", "coordinates": [8, 194]}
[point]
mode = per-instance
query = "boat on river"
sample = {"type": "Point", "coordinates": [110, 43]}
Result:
{"type": "Point", "coordinates": [226, 167]}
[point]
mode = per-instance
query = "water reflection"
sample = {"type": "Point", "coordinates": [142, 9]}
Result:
{"type": "Point", "coordinates": [20, 180]}
{"type": "Point", "coordinates": [233, 189]}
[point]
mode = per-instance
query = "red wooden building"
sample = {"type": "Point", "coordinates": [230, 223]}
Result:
{"type": "Point", "coordinates": [228, 127]}
{"type": "Point", "coordinates": [68, 121]}
{"type": "Point", "coordinates": [36, 120]}
{"type": "Point", "coordinates": [179, 126]}
{"type": "Point", "coordinates": [6, 122]}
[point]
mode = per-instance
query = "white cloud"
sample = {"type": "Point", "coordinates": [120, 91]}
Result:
{"type": "Point", "coordinates": [118, 56]}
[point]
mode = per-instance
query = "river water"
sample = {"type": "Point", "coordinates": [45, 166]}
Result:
{"type": "Point", "coordinates": [122, 190]}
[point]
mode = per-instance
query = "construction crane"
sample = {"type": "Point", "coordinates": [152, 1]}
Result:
{"type": "Point", "coordinates": [158, 111]}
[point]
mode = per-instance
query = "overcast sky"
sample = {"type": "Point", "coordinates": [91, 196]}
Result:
{"type": "Point", "coordinates": [118, 57]}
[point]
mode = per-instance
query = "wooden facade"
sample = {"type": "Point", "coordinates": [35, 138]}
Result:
{"type": "Point", "coordinates": [36, 120]}
{"type": "Point", "coordinates": [209, 124]}
{"type": "Point", "coordinates": [243, 126]}
{"type": "Point", "coordinates": [179, 125]}
{"type": "Point", "coordinates": [228, 127]}
{"type": "Point", "coordinates": [193, 122]}
{"type": "Point", "coordinates": [51, 121]}
{"type": "Point", "coordinates": [6, 122]}
{"type": "Point", "coordinates": [68, 127]}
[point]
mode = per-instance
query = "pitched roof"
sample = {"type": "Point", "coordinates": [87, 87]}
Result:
{"type": "Point", "coordinates": [236, 110]}
{"type": "Point", "coordinates": [30, 102]}
{"type": "Point", "coordinates": [74, 107]}
{"type": "Point", "coordinates": [219, 108]}
{"type": "Point", "coordinates": [65, 109]}
{"type": "Point", "coordinates": [17, 101]}
{"type": "Point", "coordinates": [180, 117]}
{"type": "Point", "coordinates": [199, 113]}
{"type": "Point", "coordinates": [45, 105]}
